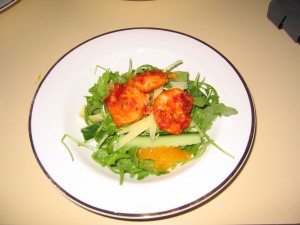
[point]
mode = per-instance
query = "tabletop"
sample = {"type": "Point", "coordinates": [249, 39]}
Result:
{"type": "Point", "coordinates": [35, 34]}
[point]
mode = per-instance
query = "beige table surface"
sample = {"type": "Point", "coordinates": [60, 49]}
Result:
{"type": "Point", "coordinates": [34, 34]}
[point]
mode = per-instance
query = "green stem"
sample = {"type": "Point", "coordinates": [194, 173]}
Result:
{"type": "Point", "coordinates": [102, 140]}
{"type": "Point", "coordinates": [203, 134]}
{"type": "Point", "coordinates": [218, 147]}
{"type": "Point", "coordinates": [173, 65]}
{"type": "Point", "coordinates": [79, 143]}
{"type": "Point", "coordinates": [98, 66]}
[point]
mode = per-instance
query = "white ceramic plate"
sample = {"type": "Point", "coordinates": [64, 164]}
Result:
{"type": "Point", "coordinates": [60, 96]}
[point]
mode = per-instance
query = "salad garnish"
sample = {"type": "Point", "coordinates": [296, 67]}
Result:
{"type": "Point", "coordinates": [147, 121]}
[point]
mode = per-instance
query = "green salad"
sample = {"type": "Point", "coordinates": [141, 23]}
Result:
{"type": "Point", "coordinates": [117, 147]}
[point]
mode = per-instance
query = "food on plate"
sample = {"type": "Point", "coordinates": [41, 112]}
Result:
{"type": "Point", "coordinates": [149, 80]}
{"type": "Point", "coordinates": [147, 121]}
{"type": "Point", "coordinates": [164, 157]}
{"type": "Point", "coordinates": [171, 110]}
{"type": "Point", "coordinates": [127, 104]}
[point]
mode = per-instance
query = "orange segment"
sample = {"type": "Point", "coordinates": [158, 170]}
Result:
{"type": "Point", "coordinates": [164, 157]}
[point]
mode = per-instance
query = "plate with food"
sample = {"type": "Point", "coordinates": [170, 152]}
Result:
{"type": "Point", "coordinates": [142, 123]}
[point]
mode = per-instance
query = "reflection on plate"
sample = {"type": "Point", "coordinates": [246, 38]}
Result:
{"type": "Point", "coordinates": [60, 97]}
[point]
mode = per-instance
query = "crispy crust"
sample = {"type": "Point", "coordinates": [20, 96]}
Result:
{"type": "Point", "coordinates": [127, 104]}
{"type": "Point", "coordinates": [171, 110]}
{"type": "Point", "coordinates": [149, 81]}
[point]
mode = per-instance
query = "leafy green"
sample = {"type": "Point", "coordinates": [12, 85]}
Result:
{"type": "Point", "coordinates": [89, 131]}
{"type": "Point", "coordinates": [203, 93]}
{"type": "Point", "coordinates": [144, 68]}
{"type": "Point", "coordinates": [204, 117]}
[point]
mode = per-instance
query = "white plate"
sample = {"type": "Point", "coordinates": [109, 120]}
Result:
{"type": "Point", "coordinates": [60, 96]}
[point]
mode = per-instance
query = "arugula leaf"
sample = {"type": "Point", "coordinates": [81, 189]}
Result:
{"type": "Point", "coordinates": [144, 68]}
{"type": "Point", "coordinates": [122, 161]}
{"type": "Point", "coordinates": [89, 131]}
{"type": "Point", "coordinates": [117, 78]}
{"type": "Point", "coordinates": [204, 118]}
{"type": "Point", "coordinates": [93, 106]}
{"type": "Point", "coordinates": [109, 125]}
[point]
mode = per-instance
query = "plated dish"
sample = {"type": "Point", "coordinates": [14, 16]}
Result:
{"type": "Point", "coordinates": [60, 96]}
